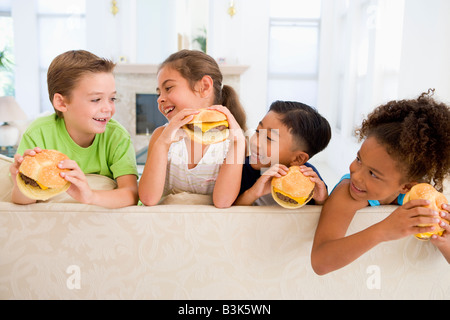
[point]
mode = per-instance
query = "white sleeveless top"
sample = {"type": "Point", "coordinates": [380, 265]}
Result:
{"type": "Point", "coordinates": [199, 180]}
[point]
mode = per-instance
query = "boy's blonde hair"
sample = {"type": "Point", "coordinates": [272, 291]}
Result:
{"type": "Point", "coordinates": [68, 68]}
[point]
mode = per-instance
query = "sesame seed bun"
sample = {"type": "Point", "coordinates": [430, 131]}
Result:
{"type": "Point", "coordinates": [39, 176]}
{"type": "Point", "coordinates": [428, 192]}
{"type": "Point", "coordinates": [293, 190]}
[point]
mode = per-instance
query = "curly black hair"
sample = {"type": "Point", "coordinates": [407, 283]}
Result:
{"type": "Point", "coordinates": [416, 133]}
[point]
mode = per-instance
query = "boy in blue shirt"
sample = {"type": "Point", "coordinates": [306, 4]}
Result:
{"type": "Point", "coordinates": [290, 134]}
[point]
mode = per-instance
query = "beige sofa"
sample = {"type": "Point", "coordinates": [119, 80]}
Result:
{"type": "Point", "coordinates": [64, 250]}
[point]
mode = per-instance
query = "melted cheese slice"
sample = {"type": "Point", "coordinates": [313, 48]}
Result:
{"type": "Point", "coordinates": [205, 126]}
{"type": "Point", "coordinates": [42, 187]}
{"type": "Point", "coordinates": [300, 200]}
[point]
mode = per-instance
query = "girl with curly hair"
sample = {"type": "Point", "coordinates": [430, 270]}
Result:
{"type": "Point", "coordinates": [405, 142]}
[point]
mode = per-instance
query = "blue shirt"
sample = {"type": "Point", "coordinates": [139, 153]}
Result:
{"type": "Point", "coordinates": [372, 203]}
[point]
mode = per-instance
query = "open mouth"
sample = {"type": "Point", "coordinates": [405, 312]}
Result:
{"type": "Point", "coordinates": [356, 188]}
{"type": "Point", "coordinates": [256, 156]}
{"type": "Point", "coordinates": [101, 119]}
{"type": "Point", "coordinates": [168, 110]}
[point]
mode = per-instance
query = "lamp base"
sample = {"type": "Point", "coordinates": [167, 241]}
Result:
{"type": "Point", "coordinates": [9, 135]}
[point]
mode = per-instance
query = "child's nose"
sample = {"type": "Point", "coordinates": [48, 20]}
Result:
{"type": "Point", "coordinates": [356, 174]}
{"type": "Point", "coordinates": [108, 107]}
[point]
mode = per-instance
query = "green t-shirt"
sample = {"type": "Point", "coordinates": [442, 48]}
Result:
{"type": "Point", "coordinates": [111, 154]}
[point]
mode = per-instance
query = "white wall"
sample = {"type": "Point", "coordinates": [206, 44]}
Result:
{"type": "Point", "coordinates": [26, 55]}
{"type": "Point", "coordinates": [141, 34]}
{"type": "Point", "coordinates": [425, 59]}
{"type": "Point", "coordinates": [333, 87]}
{"type": "Point", "coordinates": [243, 39]}
{"type": "Point", "coordinates": [156, 30]}
{"type": "Point", "coordinates": [112, 36]}
{"type": "Point", "coordinates": [424, 50]}
{"type": "Point", "coordinates": [254, 41]}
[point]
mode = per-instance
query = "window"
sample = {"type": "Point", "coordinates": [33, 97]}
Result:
{"type": "Point", "coordinates": [6, 50]}
{"type": "Point", "coordinates": [62, 27]}
{"type": "Point", "coordinates": [294, 50]}
{"type": "Point", "coordinates": [368, 37]}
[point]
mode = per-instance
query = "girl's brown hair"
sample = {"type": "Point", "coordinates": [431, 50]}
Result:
{"type": "Point", "coordinates": [68, 68]}
{"type": "Point", "coordinates": [417, 134]}
{"type": "Point", "coordinates": [193, 66]}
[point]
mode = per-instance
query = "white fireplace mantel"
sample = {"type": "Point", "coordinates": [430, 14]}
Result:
{"type": "Point", "coordinates": [132, 79]}
{"type": "Point", "coordinates": [227, 70]}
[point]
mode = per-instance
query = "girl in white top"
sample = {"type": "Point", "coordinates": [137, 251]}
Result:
{"type": "Point", "coordinates": [189, 81]}
{"type": "Point", "coordinates": [202, 178]}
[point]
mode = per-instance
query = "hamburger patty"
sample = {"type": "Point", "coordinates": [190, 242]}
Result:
{"type": "Point", "coordinates": [219, 128]}
{"type": "Point", "coordinates": [284, 198]}
{"type": "Point", "coordinates": [29, 181]}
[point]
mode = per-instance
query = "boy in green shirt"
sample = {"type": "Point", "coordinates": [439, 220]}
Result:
{"type": "Point", "coordinates": [82, 90]}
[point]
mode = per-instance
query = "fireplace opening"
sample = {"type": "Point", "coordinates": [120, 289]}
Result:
{"type": "Point", "coordinates": [148, 117]}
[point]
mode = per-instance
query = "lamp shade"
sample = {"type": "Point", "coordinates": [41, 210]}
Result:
{"type": "Point", "coordinates": [10, 110]}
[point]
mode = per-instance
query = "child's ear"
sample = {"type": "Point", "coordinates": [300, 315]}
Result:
{"type": "Point", "coordinates": [407, 186]}
{"type": "Point", "coordinates": [205, 86]}
{"type": "Point", "coordinates": [300, 158]}
{"type": "Point", "coordinates": [59, 103]}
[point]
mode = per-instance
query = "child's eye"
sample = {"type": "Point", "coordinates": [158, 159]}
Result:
{"type": "Point", "coordinates": [95, 100]}
{"type": "Point", "coordinates": [373, 174]}
{"type": "Point", "coordinates": [113, 99]}
{"type": "Point", "coordinates": [267, 137]}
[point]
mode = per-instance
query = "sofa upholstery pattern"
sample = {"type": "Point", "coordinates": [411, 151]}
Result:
{"type": "Point", "coordinates": [65, 250]}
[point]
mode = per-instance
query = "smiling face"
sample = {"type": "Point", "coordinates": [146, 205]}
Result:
{"type": "Point", "coordinates": [271, 144]}
{"type": "Point", "coordinates": [374, 174]}
{"type": "Point", "coordinates": [90, 107]}
{"type": "Point", "coordinates": [176, 94]}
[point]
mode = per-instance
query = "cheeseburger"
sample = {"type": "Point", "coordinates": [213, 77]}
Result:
{"type": "Point", "coordinates": [208, 127]}
{"type": "Point", "coordinates": [39, 176]}
{"type": "Point", "coordinates": [428, 192]}
{"type": "Point", "coordinates": [293, 190]}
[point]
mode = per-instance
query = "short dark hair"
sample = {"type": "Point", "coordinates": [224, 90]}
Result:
{"type": "Point", "coordinates": [310, 130]}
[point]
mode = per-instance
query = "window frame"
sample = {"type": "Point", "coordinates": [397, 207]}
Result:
{"type": "Point", "coordinates": [314, 23]}
{"type": "Point", "coordinates": [8, 14]}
